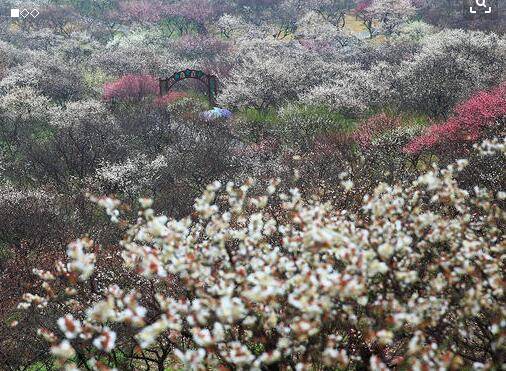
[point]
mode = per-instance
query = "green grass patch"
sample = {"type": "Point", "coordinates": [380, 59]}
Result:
{"type": "Point", "coordinates": [258, 116]}
{"type": "Point", "coordinates": [38, 366]}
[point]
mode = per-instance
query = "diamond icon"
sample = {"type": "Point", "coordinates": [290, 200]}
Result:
{"type": "Point", "coordinates": [34, 13]}
{"type": "Point", "coordinates": [24, 13]}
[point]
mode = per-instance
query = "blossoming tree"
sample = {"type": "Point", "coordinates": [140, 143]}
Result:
{"type": "Point", "coordinates": [415, 279]}
{"type": "Point", "coordinates": [485, 111]}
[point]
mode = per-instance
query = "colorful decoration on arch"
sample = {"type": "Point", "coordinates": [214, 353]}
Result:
{"type": "Point", "coordinates": [209, 81]}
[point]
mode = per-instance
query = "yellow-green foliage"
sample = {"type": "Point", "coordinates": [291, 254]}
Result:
{"type": "Point", "coordinates": [96, 78]}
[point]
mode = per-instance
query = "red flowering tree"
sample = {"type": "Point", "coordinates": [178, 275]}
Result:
{"type": "Point", "coordinates": [484, 111]}
{"type": "Point", "coordinates": [131, 88]}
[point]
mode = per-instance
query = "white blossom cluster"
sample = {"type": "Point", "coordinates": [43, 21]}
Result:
{"type": "Point", "coordinates": [415, 278]}
{"type": "Point", "coordinates": [445, 54]}
{"type": "Point", "coordinates": [272, 71]}
{"type": "Point", "coordinates": [133, 174]}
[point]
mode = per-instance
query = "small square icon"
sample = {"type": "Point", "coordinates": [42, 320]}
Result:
{"type": "Point", "coordinates": [481, 9]}
{"type": "Point", "coordinates": [15, 13]}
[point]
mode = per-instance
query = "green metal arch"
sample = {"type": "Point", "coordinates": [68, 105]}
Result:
{"type": "Point", "coordinates": [210, 81]}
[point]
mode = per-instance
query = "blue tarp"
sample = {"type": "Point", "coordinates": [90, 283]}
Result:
{"type": "Point", "coordinates": [216, 113]}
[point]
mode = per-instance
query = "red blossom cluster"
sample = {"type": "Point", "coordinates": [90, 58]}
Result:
{"type": "Point", "coordinates": [468, 123]}
{"type": "Point", "coordinates": [374, 126]}
{"type": "Point", "coordinates": [131, 88]}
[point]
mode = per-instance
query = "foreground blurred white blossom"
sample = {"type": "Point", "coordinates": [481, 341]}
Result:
{"type": "Point", "coordinates": [413, 278]}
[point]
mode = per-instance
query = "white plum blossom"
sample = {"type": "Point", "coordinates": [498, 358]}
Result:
{"type": "Point", "coordinates": [239, 355]}
{"type": "Point", "coordinates": [81, 261]}
{"type": "Point", "coordinates": [230, 309]}
{"type": "Point", "coordinates": [149, 333]}
{"type": "Point", "coordinates": [69, 326]}
{"type": "Point", "coordinates": [301, 283]}
{"type": "Point", "coordinates": [192, 359]}
{"type": "Point", "coordinates": [63, 350]}
{"type": "Point", "coordinates": [106, 340]}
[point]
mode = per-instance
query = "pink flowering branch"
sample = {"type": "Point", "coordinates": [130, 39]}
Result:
{"type": "Point", "coordinates": [131, 88]}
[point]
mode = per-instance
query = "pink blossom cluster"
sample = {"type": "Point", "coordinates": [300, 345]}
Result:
{"type": "Point", "coordinates": [131, 88]}
{"type": "Point", "coordinates": [198, 11]}
{"type": "Point", "coordinates": [362, 5]}
{"type": "Point", "coordinates": [374, 126]}
{"type": "Point", "coordinates": [471, 118]}
{"type": "Point", "coordinates": [142, 10]}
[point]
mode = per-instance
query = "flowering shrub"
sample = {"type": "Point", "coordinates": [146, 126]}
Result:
{"type": "Point", "coordinates": [401, 281]}
{"type": "Point", "coordinates": [383, 15]}
{"type": "Point", "coordinates": [344, 93]}
{"type": "Point", "coordinates": [314, 28]}
{"type": "Point", "coordinates": [471, 118]}
{"type": "Point", "coordinates": [130, 176]}
{"type": "Point", "coordinates": [355, 89]}
{"type": "Point", "coordinates": [298, 126]}
{"type": "Point", "coordinates": [198, 12]}
{"type": "Point", "coordinates": [37, 73]}
{"type": "Point", "coordinates": [141, 11]}
{"type": "Point", "coordinates": [263, 79]}
{"type": "Point", "coordinates": [199, 47]}
{"type": "Point", "coordinates": [262, 148]}
{"type": "Point", "coordinates": [131, 88]}
{"type": "Point", "coordinates": [132, 57]}
{"type": "Point", "coordinates": [332, 154]}
{"type": "Point", "coordinates": [455, 59]}
{"type": "Point", "coordinates": [374, 126]}
{"type": "Point", "coordinates": [228, 24]}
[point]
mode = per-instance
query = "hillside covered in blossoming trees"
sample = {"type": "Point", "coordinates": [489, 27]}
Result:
{"type": "Point", "coordinates": [317, 185]}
